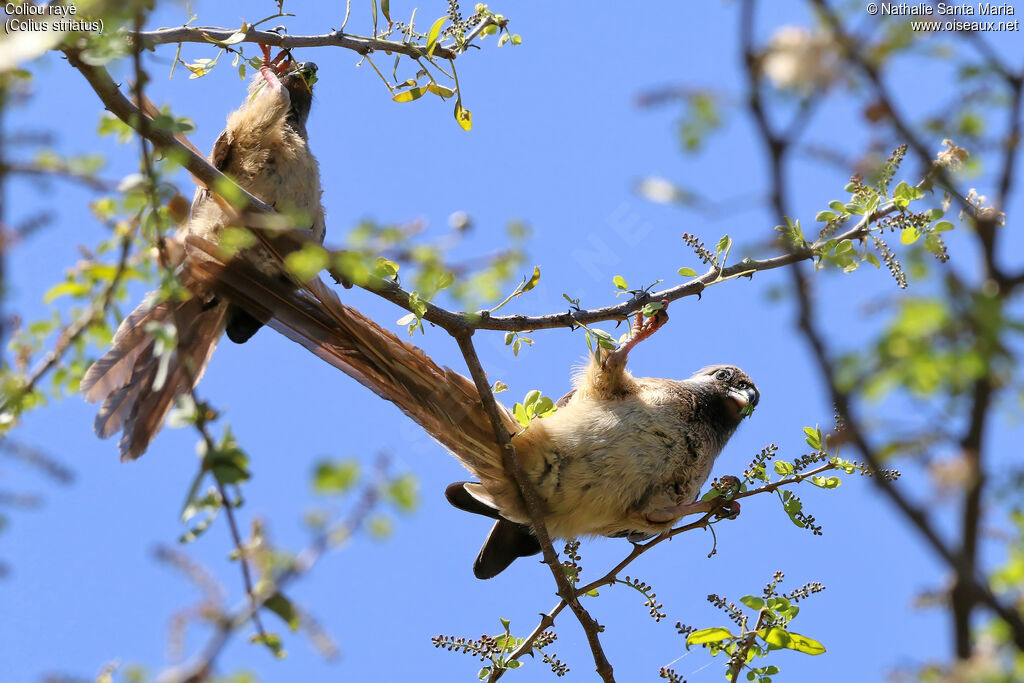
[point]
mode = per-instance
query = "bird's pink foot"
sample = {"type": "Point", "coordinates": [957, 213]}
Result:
{"type": "Point", "coordinates": [642, 329]}
{"type": "Point", "coordinates": [723, 509]}
{"type": "Point", "coordinates": [270, 68]}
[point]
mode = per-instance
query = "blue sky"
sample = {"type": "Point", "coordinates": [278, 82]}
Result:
{"type": "Point", "coordinates": [558, 141]}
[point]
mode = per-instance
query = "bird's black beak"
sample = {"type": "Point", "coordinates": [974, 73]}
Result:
{"type": "Point", "coordinates": [304, 69]}
{"type": "Point", "coordinates": [745, 399]}
{"type": "Point", "coordinates": [304, 72]}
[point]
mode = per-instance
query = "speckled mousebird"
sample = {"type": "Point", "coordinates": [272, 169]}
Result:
{"type": "Point", "coordinates": [622, 456]}
{"type": "Point", "coordinates": [264, 149]}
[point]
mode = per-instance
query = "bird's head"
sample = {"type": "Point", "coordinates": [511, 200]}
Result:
{"type": "Point", "coordinates": [736, 386]}
{"type": "Point", "coordinates": [298, 78]}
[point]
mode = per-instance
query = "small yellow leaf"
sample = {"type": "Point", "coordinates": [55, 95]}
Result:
{"type": "Point", "coordinates": [440, 90]}
{"type": "Point", "coordinates": [410, 95]}
{"type": "Point", "coordinates": [534, 279]}
{"type": "Point", "coordinates": [463, 116]}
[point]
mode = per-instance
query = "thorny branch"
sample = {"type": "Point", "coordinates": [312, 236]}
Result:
{"type": "Point", "coordinates": [450, 321]}
{"type": "Point", "coordinates": [533, 505]}
{"type": "Point", "coordinates": [710, 511]}
{"type": "Point", "coordinates": [214, 35]}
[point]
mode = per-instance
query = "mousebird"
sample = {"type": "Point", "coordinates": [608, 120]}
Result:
{"type": "Point", "coordinates": [264, 149]}
{"type": "Point", "coordinates": [622, 455]}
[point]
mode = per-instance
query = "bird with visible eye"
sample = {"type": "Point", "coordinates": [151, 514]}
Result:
{"type": "Point", "coordinates": [623, 456]}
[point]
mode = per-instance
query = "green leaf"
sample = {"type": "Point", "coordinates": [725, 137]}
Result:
{"type": "Point", "coordinates": [872, 259]}
{"type": "Point", "coordinates": [708, 635]}
{"type": "Point", "coordinates": [196, 531]}
{"type": "Point", "coordinates": [226, 461]}
{"type": "Point", "coordinates": [904, 193]}
{"type": "Point", "coordinates": [335, 476]}
{"type": "Point", "coordinates": [826, 482]}
{"type": "Point", "coordinates": [620, 283]}
{"type": "Point", "coordinates": [813, 437]}
{"type": "Point", "coordinates": [307, 262]}
{"type": "Point", "coordinates": [445, 280]}
{"type": "Point", "coordinates": [837, 206]}
{"type": "Point", "coordinates": [778, 639]}
{"type": "Point", "coordinates": [650, 309]}
{"type": "Point", "coordinates": [435, 30]}
{"type": "Point", "coordinates": [499, 387]}
{"type": "Point", "coordinates": [272, 641]}
{"type": "Point", "coordinates": [752, 602]}
{"type": "Point", "coordinates": [784, 468]}
{"type": "Point", "coordinates": [385, 9]}
{"type": "Point", "coordinates": [403, 491]}
{"type": "Point", "coordinates": [519, 411]}
{"type": "Point", "coordinates": [909, 235]}
{"type": "Point", "coordinates": [283, 607]}
{"type": "Point", "coordinates": [687, 272]}
{"type": "Point", "coordinates": [385, 267]}
{"type": "Point", "coordinates": [943, 226]}
{"type": "Point", "coordinates": [75, 289]}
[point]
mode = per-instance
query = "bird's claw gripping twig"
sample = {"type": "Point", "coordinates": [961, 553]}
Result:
{"type": "Point", "coordinates": [728, 509]}
{"type": "Point", "coordinates": [271, 68]}
{"type": "Point", "coordinates": [642, 329]}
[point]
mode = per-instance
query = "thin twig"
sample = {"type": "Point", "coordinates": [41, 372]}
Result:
{"type": "Point", "coordinates": [70, 334]}
{"type": "Point", "coordinates": [709, 513]}
{"type": "Point", "coordinates": [199, 668]}
{"type": "Point", "coordinates": [533, 505]}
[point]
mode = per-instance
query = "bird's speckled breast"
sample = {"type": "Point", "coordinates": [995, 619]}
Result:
{"type": "Point", "coordinates": [593, 468]}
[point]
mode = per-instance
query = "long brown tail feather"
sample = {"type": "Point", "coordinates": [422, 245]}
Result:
{"type": "Point", "coordinates": [440, 400]}
{"type": "Point", "coordinates": [137, 394]}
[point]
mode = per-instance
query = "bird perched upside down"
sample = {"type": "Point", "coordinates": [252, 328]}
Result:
{"type": "Point", "coordinates": [622, 456]}
{"type": "Point", "coordinates": [264, 149]}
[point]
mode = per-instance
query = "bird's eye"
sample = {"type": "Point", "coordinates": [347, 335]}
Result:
{"type": "Point", "coordinates": [741, 385]}
{"type": "Point", "coordinates": [723, 375]}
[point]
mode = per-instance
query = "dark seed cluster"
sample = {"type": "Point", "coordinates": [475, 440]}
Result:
{"type": "Point", "coordinates": [702, 252]}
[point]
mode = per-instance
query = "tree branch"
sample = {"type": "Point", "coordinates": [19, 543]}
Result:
{"type": "Point", "coordinates": [214, 35]}
{"type": "Point", "coordinates": [971, 586]}
{"type": "Point", "coordinates": [534, 506]}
